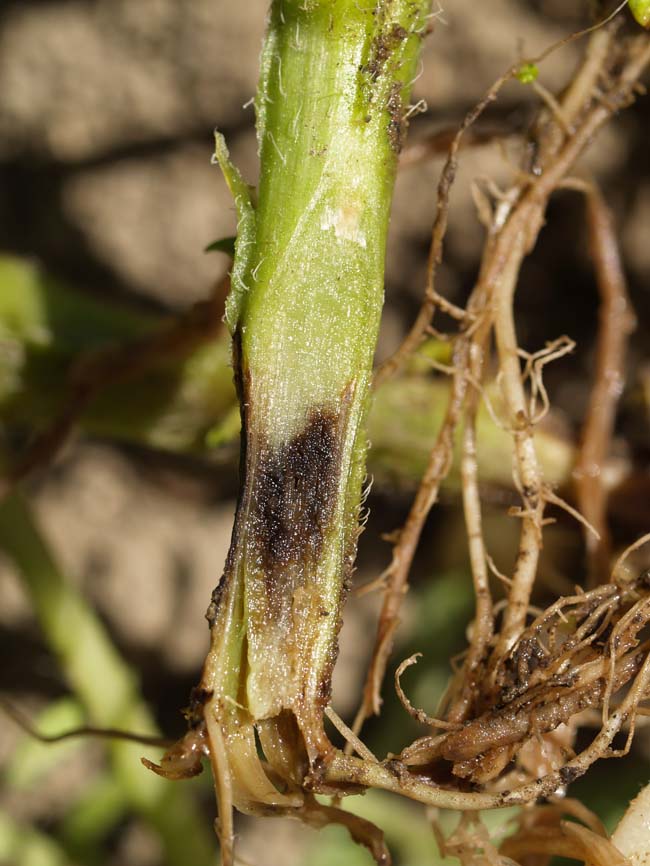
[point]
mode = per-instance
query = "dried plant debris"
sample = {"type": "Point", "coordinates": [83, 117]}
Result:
{"type": "Point", "coordinates": [572, 657]}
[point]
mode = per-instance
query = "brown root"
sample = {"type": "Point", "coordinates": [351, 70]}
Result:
{"type": "Point", "coordinates": [543, 830]}
{"type": "Point", "coordinates": [184, 759]}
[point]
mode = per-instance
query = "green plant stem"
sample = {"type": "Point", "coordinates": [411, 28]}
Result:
{"type": "Point", "coordinates": [304, 312]}
{"type": "Point", "coordinates": [307, 292]}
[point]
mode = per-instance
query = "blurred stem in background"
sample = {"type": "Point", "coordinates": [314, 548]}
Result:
{"type": "Point", "coordinates": [105, 686]}
{"type": "Point", "coordinates": [186, 403]}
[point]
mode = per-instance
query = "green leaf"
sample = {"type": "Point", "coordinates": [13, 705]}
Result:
{"type": "Point", "coordinates": [223, 245]}
{"type": "Point", "coordinates": [641, 11]}
{"type": "Point", "coordinates": [527, 73]}
{"type": "Point", "coordinates": [245, 242]}
{"type": "Point", "coordinates": [225, 431]}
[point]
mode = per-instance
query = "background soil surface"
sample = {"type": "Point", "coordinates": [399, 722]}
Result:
{"type": "Point", "coordinates": [106, 116]}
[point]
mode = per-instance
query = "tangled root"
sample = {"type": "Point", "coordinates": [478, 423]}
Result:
{"type": "Point", "coordinates": [571, 658]}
